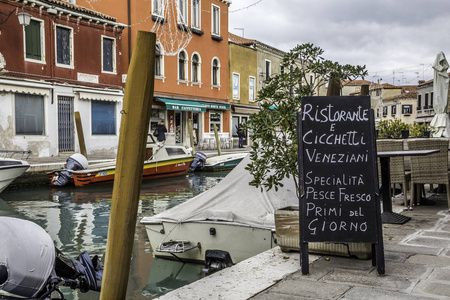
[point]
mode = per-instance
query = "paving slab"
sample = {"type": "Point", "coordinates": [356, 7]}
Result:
{"type": "Point", "coordinates": [359, 293]}
{"type": "Point", "coordinates": [429, 260]}
{"type": "Point", "coordinates": [312, 289]}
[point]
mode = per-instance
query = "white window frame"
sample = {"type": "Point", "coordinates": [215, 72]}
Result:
{"type": "Point", "coordinates": [182, 19]}
{"type": "Point", "coordinates": [159, 13]}
{"type": "Point", "coordinates": [185, 67]}
{"type": "Point", "coordinates": [219, 123]}
{"type": "Point", "coordinates": [199, 70]}
{"type": "Point", "coordinates": [236, 94]}
{"type": "Point", "coordinates": [197, 20]}
{"type": "Point", "coordinates": [217, 85]}
{"type": "Point", "coordinates": [217, 23]}
{"type": "Point", "coordinates": [267, 72]}
{"type": "Point", "coordinates": [161, 63]}
{"type": "Point", "coordinates": [250, 91]}
{"type": "Point", "coordinates": [42, 29]}
{"type": "Point", "coordinates": [114, 58]}
{"type": "Point", "coordinates": [70, 65]}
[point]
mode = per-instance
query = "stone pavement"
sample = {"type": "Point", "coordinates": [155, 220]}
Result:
{"type": "Point", "coordinates": [417, 258]}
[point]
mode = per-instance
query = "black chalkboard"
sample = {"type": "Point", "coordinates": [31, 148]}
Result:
{"type": "Point", "coordinates": [338, 175]}
{"type": "Point", "coordinates": [337, 161]}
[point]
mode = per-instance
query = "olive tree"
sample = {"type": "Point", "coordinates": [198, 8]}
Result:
{"type": "Point", "coordinates": [274, 130]}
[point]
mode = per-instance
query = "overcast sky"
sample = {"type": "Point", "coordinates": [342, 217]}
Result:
{"type": "Point", "coordinates": [397, 40]}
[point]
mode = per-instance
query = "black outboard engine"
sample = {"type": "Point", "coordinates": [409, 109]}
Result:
{"type": "Point", "coordinates": [216, 260]}
{"type": "Point", "coordinates": [32, 268]}
{"type": "Point", "coordinates": [199, 161]}
{"type": "Point", "coordinates": [75, 162]}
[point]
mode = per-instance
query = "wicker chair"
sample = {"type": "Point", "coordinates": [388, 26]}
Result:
{"type": "Point", "coordinates": [397, 165]}
{"type": "Point", "coordinates": [430, 168]}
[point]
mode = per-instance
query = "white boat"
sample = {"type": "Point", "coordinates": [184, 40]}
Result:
{"type": "Point", "coordinates": [223, 162]}
{"type": "Point", "coordinates": [233, 217]}
{"type": "Point", "coordinates": [11, 168]}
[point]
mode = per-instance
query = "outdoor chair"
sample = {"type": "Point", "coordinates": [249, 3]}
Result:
{"type": "Point", "coordinates": [397, 165]}
{"type": "Point", "coordinates": [429, 169]}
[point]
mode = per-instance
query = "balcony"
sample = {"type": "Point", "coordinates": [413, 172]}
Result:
{"type": "Point", "coordinates": [425, 111]}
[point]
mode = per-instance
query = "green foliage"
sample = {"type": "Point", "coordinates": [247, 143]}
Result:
{"type": "Point", "coordinates": [274, 128]}
{"type": "Point", "coordinates": [391, 128]}
{"type": "Point", "coordinates": [417, 129]}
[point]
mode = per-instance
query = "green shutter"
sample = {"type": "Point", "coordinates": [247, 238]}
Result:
{"type": "Point", "coordinates": [33, 40]}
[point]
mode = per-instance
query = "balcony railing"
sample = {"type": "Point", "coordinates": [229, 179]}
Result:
{"type": "Point", "coordinates": [425, 111]}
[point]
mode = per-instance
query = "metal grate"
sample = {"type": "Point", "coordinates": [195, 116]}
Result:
{"type": "Point", "coordinates": [65, 124]}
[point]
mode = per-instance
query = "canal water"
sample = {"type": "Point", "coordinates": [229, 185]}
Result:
{"type": "Point", "coordinates": [77, 220]}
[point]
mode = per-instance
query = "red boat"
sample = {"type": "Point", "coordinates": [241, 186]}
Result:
{"type": "Point", "coordinates": [162, 161]}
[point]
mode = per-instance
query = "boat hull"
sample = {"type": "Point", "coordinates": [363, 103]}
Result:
{"type": "Point", "coordinates": [9, 173]}
{"type": "Point", "coordinates": [241, 242]}
{"type": "Point", "coordinates": [151, 170]}
{"type": "Point", "coordinates": [223, 162]}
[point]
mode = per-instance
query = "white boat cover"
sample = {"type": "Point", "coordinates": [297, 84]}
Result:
{"type": "Point", "coordinates": [232, 200]}
{"type": "Point", "coordinates": [28, 253]}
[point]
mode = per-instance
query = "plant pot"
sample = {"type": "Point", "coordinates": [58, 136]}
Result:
{"type": "Point", "coordinates": [405, 134]}
{"type": "Point", "coordinates": [426, 134]}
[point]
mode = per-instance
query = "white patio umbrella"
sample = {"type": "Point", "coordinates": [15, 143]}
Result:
{"type": "Point", "coordinates": [440, 122]}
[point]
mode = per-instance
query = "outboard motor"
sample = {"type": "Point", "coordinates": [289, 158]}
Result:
{"type": "Point", "coordinates": [31, 266]}
{"type": "Point", "coordinates": [216, 260]}
{"type": "Point", "coordinates": [75, 162]}
{"type": "Point", "coordinates": [199, 161]}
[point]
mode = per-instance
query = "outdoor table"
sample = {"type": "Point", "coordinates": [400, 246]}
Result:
{"type": "Point", "coordinates": [388, 216]}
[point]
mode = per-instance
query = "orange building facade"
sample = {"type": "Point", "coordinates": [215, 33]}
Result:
{"type": "Point", "coordinates": [192, 85]}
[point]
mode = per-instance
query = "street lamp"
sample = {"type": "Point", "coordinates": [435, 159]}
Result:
{"type": "Point", "coordinates": [24, 18]}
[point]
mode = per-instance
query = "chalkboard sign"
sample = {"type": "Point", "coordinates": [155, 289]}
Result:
{"type": "Point", "coordinates": [338, 175]}
{"type": "Point", "coordinates": [337, 162]}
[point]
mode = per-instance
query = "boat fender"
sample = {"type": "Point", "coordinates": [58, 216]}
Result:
{"type": "Point", "coordinates": [216, 260]}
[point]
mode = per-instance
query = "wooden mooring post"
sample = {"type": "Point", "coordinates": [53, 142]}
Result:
{"type": "Point", "coordinates": [80, 134]}
{"type": "Point", "coordinates": [130, 159]}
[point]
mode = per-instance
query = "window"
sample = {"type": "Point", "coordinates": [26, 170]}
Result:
{"type": "Point", "coordinates": [393, 109]}
{"type": "Point", "coordinates": [195, 15]}
{"type": "Point", "coordinates": [109, 54]}
{"type": "Point", "coordinates": [159, 61]}
{"type": "Point", "coordinates": [215, 20]}
{"type": "Point", "coordinates": [251, 89]}
{"type": "Point", "coordinates": [385, 110]}
{"type": "Point", "coordinates": [431, 100]}
{"type": "Point", "coordinates": [426, 101]}
{"type": "Point", "coordinates": [407, 109]}
{"type": "Point", "coordinates": [34, 40]}
{"type": "Point", "coordinates": [103, 117]}
{"type": "Point", "coordinates": [215, 72]}
{"type": "Point", "coordinates": [215, 119]}
{"type": "Point", "coordinates": [311, 79]}
{"type": "Point", "coordinates": [157, 8]}
{"type": "Point", "coordinates": [236, 79]}
{"type": "Point", "coordinates": [196, 68]}
{"type": "Point", "coordinates": [29, 114]}
{"type": "Point", "coordinates": [64, 46]}
{"type": "Point", "coordinates": [182, 66]}
{"type": "Point", "coordinates": [268, 63]}
{"type": "Point", "coordinates": [182, 12]}
{"type": "Point", "coordinates": [419, 102]}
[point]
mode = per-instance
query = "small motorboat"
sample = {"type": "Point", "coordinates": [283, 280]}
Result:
{"type": "Point", "coordinates": [217, 163]}
{"type": "Point", "coordinates": [11, 168]}
{"type": "Point", "coordinates": [161, 161]}
{"type": "Point", "coordinates": [224, 225]}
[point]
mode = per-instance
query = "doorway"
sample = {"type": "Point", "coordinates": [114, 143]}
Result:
{"type": "Point", "coordinates": [178, 127]}
{"type": "Point", "coordinates": [66, 129]}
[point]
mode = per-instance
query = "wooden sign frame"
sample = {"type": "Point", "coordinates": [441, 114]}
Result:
{"type": "Point", "coordinates": [339, 199]}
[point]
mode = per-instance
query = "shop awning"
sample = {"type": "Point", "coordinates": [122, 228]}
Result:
{"type": "Point", "coordinates": [182, 105]}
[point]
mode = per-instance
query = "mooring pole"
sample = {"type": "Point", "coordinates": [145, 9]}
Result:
{"type": "Point", "coordinates": [130, 158]}
{"type": "Point", "coordinates": [216, 135]}
{"type": "Point", "coordinates": [191, 134]}
{"type": "Point", "coordinates": [80, 134]}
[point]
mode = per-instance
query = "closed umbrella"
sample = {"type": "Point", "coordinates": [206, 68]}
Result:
{"type": "Point", "coordinates": [440, 122]}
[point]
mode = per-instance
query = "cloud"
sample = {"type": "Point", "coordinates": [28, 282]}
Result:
{"type": "Point", "coordinates": [387, 36]}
